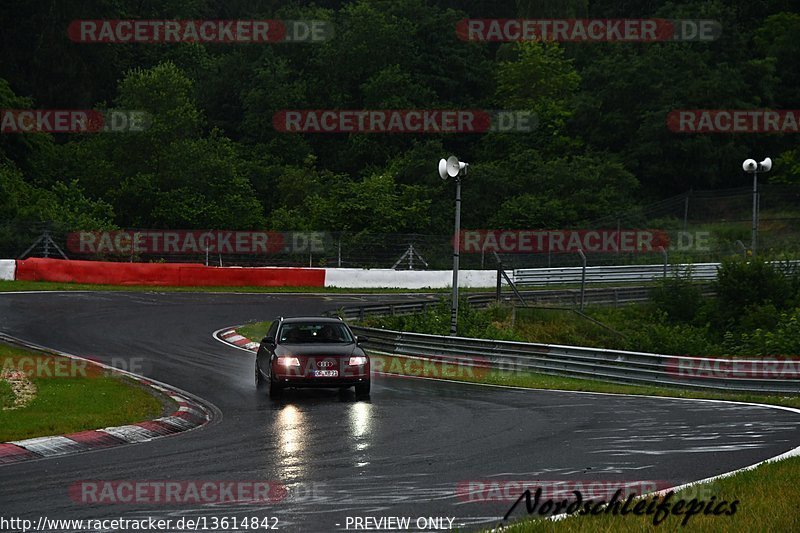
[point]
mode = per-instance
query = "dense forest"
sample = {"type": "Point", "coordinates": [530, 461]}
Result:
{"type": "Point", "coordinates": [211, 156]}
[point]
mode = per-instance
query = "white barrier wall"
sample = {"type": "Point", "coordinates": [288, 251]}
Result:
{"type": "Point", "coordinates": [356, 278]}
{"type": "Point", "coordinates": [8, 268]}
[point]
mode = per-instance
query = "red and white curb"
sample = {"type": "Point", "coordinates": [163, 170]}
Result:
{"type": "Point", "coordinates": [191, 414]}
{"type": "Point", "coordinates": [231, 337]}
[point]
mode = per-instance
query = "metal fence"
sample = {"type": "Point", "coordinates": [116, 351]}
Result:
{"type": "Point", "coordinates": [332, 249]}
{"type": "Point", "coordinates": [724, 215]}
{"type": "Point", "coordinates": [345, 250]}
{"type": "Point", "coordinates": [611, 296]}
{"type": "Point", "coordinates": [617, 274]}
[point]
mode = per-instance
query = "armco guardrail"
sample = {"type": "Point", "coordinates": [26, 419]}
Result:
{"type": "Point", "coordinates": [620, 274]}
{"type": "Point", "coordinates": [573, 361]}
{"type": "Point", "coordinates": [612, 274]}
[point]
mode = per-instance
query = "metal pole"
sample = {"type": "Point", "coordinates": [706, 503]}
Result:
{"type": "Point", "coordinates": [134, 240]}
{"type": "Point", "coordinates": [686, 210]}
{"type": "Point", "coordinates": [456, 246]}
{"type": "Point", "coordinates": [499, 287]}
{"type": "Point", "coordinates": [666, 259]}
{"type": "Point", "coordinates": [755, 214]}
{"type": "Point", "coordinates": [46, 243]}
{"type": "Point", "coordinates": [583, 278]}
{"type": "Point", "coordinates": [340, 251]}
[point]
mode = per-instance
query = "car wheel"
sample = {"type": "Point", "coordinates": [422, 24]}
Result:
{"type": "Point", "coordinates": [275, 389]}
{"type": "Point", "coordinates": [261, 383]}
{"type": "Point", "coordinates": [362, 389]}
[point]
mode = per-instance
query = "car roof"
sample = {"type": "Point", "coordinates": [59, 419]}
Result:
{"type": "Point", "coordinates": [314, 319]}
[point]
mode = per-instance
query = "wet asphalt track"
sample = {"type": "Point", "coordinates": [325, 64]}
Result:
{"type": "Point", "coordinates": [403, 453]}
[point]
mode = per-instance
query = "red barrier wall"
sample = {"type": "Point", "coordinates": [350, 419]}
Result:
{"type": "Point", "coordinates": [166, 274]}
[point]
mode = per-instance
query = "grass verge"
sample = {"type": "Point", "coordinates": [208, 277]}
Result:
{"type": "Point", "coordinates": [69, 399]}
{"type": "Point", "coordinates": [254, 331]}
{"type": "Point", "coordinates": [766, 503]}
{"type": "Point", "coordinates": [6, 394]}
{"type": "Point", "coordinates": [8, 286]}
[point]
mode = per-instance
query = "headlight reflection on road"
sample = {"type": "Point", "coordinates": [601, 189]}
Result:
{"type": "Point", "coordinates": [360, 427]}
{"type": "Point", "coordinates": [291, 441]}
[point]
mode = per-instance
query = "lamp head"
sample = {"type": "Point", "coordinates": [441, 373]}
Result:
{"type": "Point", "coordinates": [452, 168]}
{"type": "Point", "coordinates": [443, 169]}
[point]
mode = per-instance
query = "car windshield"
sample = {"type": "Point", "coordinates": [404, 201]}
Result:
{"type": "Point", "coordinates": [311, 333]}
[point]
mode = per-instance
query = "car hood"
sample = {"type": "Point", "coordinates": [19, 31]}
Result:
{"type": "Point", "coordinates": [312, 350]}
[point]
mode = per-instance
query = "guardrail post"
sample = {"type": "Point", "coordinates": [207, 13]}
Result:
{"type": "Point", "coordinates": [583, 278]}
{"type": "Point", "coordinates": [666, 259]}
{"type": "Point", "coordinates": [502, 272]}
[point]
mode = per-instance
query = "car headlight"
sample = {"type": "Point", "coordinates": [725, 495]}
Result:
{"type": "Point", "coordinates": [358, 361]}
{"type": "Point", "coordinates": [288, 361]}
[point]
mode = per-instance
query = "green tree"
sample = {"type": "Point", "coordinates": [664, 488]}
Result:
{"type": "Point", "coordinates": [568, 192]}
{"type": "Point", "coordinates": [172, 174]}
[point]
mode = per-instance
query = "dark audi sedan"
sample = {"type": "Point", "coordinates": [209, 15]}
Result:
{"type": "Point", "coordinates": [311, 352]}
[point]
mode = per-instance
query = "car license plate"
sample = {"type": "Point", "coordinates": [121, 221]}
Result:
{"type": "Point", "coordinates": [326, 373]}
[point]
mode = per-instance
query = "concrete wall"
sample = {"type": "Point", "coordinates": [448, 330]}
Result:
{"type": "Point", "coordinates": [356, 278]}
{"type": "Point", "coordinates": [8, 267]}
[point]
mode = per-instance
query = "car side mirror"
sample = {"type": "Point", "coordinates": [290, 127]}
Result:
{"type": "Point", "coordinates": [361, 339]}
{"type": "Point", "coordinates": [268, 340]}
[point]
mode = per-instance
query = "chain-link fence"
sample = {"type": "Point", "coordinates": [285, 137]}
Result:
{"type": "Point", "coordinates": [699, 226]}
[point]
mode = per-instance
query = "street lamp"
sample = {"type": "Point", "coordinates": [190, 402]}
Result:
{"type": "Point", "coordinates": [453, 168]}
{"type": "Point", "coordinates": [750, 166]}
